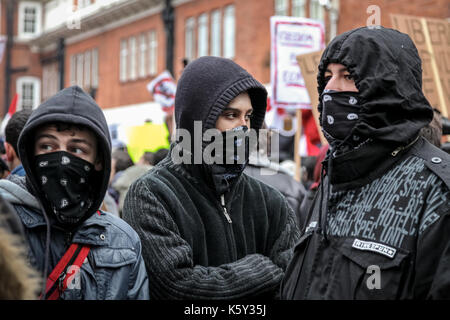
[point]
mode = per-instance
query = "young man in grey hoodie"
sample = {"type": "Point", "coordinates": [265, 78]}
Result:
{"type": "Point", "coordinates": [83, 252]}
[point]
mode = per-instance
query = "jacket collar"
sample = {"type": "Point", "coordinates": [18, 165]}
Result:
{"type": "Point", "coordinates": [93, 231]}
{"type": "Point", "coordinates": [198, 175]}
{"type": "Point", "coordinates": [360, 166]}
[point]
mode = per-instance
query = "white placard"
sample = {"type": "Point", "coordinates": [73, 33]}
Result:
{"type": "Point", "coordinates": [290, 37]}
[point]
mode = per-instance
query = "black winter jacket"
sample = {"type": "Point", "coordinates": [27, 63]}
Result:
{"type": "Point", "coordinates": [379, 227]}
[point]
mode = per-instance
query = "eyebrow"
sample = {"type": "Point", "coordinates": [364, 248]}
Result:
{"type": "Point", "coordinates": [343, 69]}
{"type": "Point", "coordinates": [235, 110]}
{"type": "Point", "coordinates": [52, 137]}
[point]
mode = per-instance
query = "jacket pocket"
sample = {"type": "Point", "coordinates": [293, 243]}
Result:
{"type": "Point", "coordinates": [113, 267]}
{"type": "Point", "coordinates": [366, 270]}
{"type": "Point", "coordinates": [113, 258]}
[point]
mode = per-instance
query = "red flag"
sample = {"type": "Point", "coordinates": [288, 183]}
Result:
{"type": "Point", "coordinates": [11, 111]}
{"type": "Point", "coordinates": [310, 133]}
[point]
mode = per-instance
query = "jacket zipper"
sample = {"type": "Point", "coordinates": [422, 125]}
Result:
{"type": "Point", "coordinates": [225, 212]}
{"type": "Point", "coordinates": [398, 149]}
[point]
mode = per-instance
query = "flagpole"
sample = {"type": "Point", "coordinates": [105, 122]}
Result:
{"type": "Point", "coordinates": [298, 161]}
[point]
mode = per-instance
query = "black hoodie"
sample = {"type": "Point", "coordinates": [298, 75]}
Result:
{"type": "Point", "coordinates": [386, 67]}
{"type": "Point", "coordinates": [194, 245]}
{"type": "Point", "coordinates": [379, 226]}
{"type": "Point", "coordinates": [71, 105]}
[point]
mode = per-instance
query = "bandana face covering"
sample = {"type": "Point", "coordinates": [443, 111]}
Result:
{"type": "Point", "coordinates": [235, 158]}
{"type": "Point", "coordinates": [340, 111]}
{"type": "Point", "coordinates": [66, 182]}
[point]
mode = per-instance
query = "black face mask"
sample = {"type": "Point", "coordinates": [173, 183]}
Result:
{"type": "Point", "coordinates": [235, 159]}
{"type": "Point", "coordinates": [340, 111]}
{"type": "Point", "coordinates": [66, 182]}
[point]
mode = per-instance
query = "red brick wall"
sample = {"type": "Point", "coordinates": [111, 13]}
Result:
{"type": "Point", "coordinates": [252, 48]}
{"type": "Point", "coordinates": [111, 92]}
{"type": "Point", "coordinates": [21, 57]}
{"type": "Point", "coordinates": [353, 12]}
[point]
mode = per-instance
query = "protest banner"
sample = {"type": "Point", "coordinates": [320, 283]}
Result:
{"type": "Point", "coordinates": [147, 137]}
{"type": "Point", "coordinates": [291, 37]}
{"type": "Point", "coordinates": [163, 89]}
{"type": "Point", "coordinates": [432, 39]}
{"type": "Point", "coordinates": [309, 63]}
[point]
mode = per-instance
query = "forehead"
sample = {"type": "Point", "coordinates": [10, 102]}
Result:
{"type": "Point", "coordinates": [241, 102]}
{"type": "Point", "coordinates": [66, 132]}
{"type": "Point", "coordinates": [335, 68]}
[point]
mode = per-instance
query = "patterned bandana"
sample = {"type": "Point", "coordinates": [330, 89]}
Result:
{"type": "Point", "coordinates": [235, 158]}
{"type": "Point", "coordinates": [340, 111]}
{"type": "Point", "coordinates": [66, 182]}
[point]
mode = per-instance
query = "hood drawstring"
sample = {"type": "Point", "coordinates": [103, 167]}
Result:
{"type": "Point", "coordinates": [47, 251]}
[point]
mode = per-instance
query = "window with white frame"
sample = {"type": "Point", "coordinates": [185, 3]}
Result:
{"type": "Point", "coordinates": [94, 69]}
{"type": "Point", "coordinates": [50, 80]}
{"type": "Point", "coordinates": [298, 8]}
{"type": "Point", "coordinates": [229, 28]}
{"type": "Point", "coordinates": [216, 36]}
{"type": "Point", "coordinates": [79, 70]}
{"type": "Point", "coordinates": [84, 69]}
{"type": "Point", "coordinates": [30, 19]}
{"type": "Point", "coordinates": [133, 58]}
{"type": "Point", "coordinates": [316, 10]}
{"type": "Point", "coordinates": [73, 75]}
{"type": "Point", "coordinates": [203, 35]}
{"type": "Point", "coordinates": [153, 53]}
{"type": "Point", "coordinates": [87, 69]}
{"type": "Point", "coordinates": [138, 56]}
{"type": "Point", "coordinates": [123, 60]}
{"type": "Point", "coordinates": [142, 55]}
{"type": "Point", "coordinates": [190, 39]}
{"type": "Point", "coordinates": [29, 91]}
{"type": "Point", "coordinates": [281, 7]}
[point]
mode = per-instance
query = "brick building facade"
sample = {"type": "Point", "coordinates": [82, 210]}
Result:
{"type": "Point", "coordinates": [113, 48]}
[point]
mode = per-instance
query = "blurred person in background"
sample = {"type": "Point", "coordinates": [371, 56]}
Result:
{"type": "Point", "coordinates": [120, 160]}
{"type": "Point", "coordinates": [131, 174]}
{"type": "Point", "coordinates": [272, 174]}
{"type": "Point", "coordinates": [12, 133]}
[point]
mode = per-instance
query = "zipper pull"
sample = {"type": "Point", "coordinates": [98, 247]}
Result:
{"type": "Point", "coordinates": [396, 151]}
{"type": "Point", "coordinates": [222, 199]}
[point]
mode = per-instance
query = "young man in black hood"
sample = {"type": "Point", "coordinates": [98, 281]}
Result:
{"type": "Point", "coordinates": [83, 252]}
{"type": "Point", "coordinates": [208, 230]}
{"type": "Point", "coordinates": [379, 227]}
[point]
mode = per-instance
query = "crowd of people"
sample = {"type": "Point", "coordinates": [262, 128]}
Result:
{"type": "Point", "coordinates": [370, 218]}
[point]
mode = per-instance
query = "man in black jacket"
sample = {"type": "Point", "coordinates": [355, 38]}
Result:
{"type": "Point", "coordinates": [208, 230]}
{"type": "Point", "coordinates": [380, 225]}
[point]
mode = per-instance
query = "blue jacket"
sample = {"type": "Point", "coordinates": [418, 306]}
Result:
{"type": "Point", "coordinates": [114, 268]}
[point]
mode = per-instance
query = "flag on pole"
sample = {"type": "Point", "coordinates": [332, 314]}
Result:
{"type": "Point", "coordinates": [163, 89]}
{"type": "Point", "coordinates": [11, 111]}
{"type": "Point", "coordinates": [310, 141]}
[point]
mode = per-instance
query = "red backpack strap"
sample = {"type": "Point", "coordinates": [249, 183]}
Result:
{"type": "Point", "coordinates": [57, 280]}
